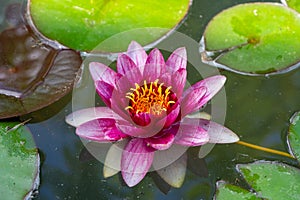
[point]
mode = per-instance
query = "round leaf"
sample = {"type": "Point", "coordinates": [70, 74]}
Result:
{"type": "Point", "coordinates": [294, 135]}
{"type": "Point", "coordinates": [32, 74]}
{"type": "Point", "coordinates": [272, 180]}
{"type": "Point", "coordinates": [227, 191]}
{"type": "Point", "coordinates": [19, 165]}
{"type": "Point", "coordinates": [253, 38]}
{"type": "Point", "coordinates": [82, 25]}
{"type": "Point", "coordinates": [295, 4]}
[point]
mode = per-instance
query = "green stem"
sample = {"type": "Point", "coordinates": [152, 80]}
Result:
{"type": "Point", "coordinates": [253, 146]}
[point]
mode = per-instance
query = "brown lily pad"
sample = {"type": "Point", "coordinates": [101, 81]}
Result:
{"type": "Point", "coordinates": [32, 74]}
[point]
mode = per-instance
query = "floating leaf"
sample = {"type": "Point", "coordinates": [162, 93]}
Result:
{"type": "Point", "coordinates": [295, 4]}
{"type": "Point", "coordinates": [19, 165]}
{"type": "Point", "coordinates": [83, 25]}
{"type": "Point", "coordinates": [253, 38]}
{"type": "Point", "coordinates": [272, 180]}
{"type": "Point", "coordinates": [32, 74]}
{"type": "Point", "coordinates": [227, 191]}
{"type": "Point", "coordinates": [294, 135]}
{"type": "Point", "coordinates": [269, 180]}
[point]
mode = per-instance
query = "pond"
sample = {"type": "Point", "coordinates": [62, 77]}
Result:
{"type": "Point", "coordinates": [257, 109]}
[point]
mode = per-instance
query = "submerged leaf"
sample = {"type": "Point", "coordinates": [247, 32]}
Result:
{"type": "Point", "coordinates": [83, 25]}
{"type": "Point", "coordinates": [294, 135]}
{"type": "Point", "coordinates": [19, 162]}
{"type": "Point", "coordinates": [253, 38]}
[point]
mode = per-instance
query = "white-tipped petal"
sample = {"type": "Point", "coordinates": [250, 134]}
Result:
{"type": "Point", "coordinates": [112, 164]}
{"type": "Point", "coordinates": [174, 173]}
{"type": "Point", "coordinates": [199, 115]}
{"type": "Point", "coordinates": [219, 134]}
{"type": "Point", "coordinates": [81, 116]}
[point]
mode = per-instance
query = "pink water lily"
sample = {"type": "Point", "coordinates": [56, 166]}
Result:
{"type": "Point", "coordinates": [147, 105]}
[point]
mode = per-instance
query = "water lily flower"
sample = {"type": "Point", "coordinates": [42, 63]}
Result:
{"type": "Point", "coordinates": [147, 111]}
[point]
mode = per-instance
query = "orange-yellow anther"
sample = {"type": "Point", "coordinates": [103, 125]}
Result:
{"type": "Point", "coordinates": [151, 98]}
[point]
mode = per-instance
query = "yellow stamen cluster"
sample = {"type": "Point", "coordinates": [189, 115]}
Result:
{"type": "Point", "coordinates": [151, 98]}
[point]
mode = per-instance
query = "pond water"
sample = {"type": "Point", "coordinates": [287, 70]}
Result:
{"type": "Point", "coordinates": [258, 110]}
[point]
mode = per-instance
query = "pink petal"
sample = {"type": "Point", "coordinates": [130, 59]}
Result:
{"type": "Point", "coordinates": [118, 105]}
{"type": "Point", "coordinates": [155, 66]}
{"type": "Point", "coordinates": [125, 64]}
{"type": "Point", "coordinates": [212, 84]}
{"type": "Point", "coordinates": [141, 119]}
{"type": "Point", "coordinates": [81, 116]}
{"type": "Point", "coordinates": [132, 130]}
{"type": "Point", "coordinates": [177, 60]}
{"type": "Point", "coordinates": [105, 91]}
{"type": "Point", "coordinates": [139, 131]}
{"type": "Point", "coordinates": [137, 54]}
{"type": "Point", "coordinates": [192, 101]}
{"type": "Point", "coordinates": [176, 80]}
{"type": "Point", "coordinates": [129, 79]}
{"type": "Point", "coordinates": [161, 143]}
{"type": "Point", "coordinates": [101, 130]}
{"type": "Point", "coordinates": [218, 133]}
{"type": "Point", "coordinates": [136, 161]}
{"type": "Point", "coordinates": [190, 133]}
{"type": "Point", "coordinates": [170, 118]}
{"type": "Point", "coordinates": [101, 72]}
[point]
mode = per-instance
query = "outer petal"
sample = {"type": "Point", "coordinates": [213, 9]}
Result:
{"type": "Point", "coordinates": [136, 161]}
{"type": "Point", "coordinates": [125, 64]}
{"type": "Point", "coordinates": [101, 130]}
{"type": "Point", "coordinates": [105, 91]}
{"type": "Point", "coordinates": [177, 60]}
{"type": "Point", "coordinates": [81, 116]}
{"type": "Point", "coordinates": [192, 101]}
{"type": "Point", "coordinates": [101, 72]}
{"type": "Point", "coordinates": [161, 143]}
{"type": "Point", "coordinates": [155, 66]}
{"type": "Point", "coordinates": [174, 174]}
{"type": "Point", "coordinates": [190, 133]}
{"type": "Point", "coordinates": [218, 133]}
{"type": "Point", "coordinates": [137, 54]}
{"type": "Point", "coordinates": [112, 164]}
{"type": "Point", "coordinates": [212, 84]}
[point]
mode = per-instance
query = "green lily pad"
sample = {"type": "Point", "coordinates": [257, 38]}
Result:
{"type": "Point", "coordinates": [272, 180]}
{"type": "Point", "coordinates": [295, 4]}
{"type": "Point", "coordinates": [268, 180]}
{"type": "Point", "coordinates": [82, 25]}
{"type": "Point", "coordinates": [227, 191]}
{"type": "Point", "coordinates": [253, 38]}
{"type": "Point", "coordinates": [19, 167]}
{"type": "Point", "coordinates": [294, 135]}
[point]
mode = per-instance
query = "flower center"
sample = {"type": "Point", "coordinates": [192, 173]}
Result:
{"type": "Point", "coordinates": [150, 98]}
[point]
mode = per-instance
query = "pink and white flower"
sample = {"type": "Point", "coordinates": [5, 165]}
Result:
{"type": "Point", "coordinates": [147, 108]}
